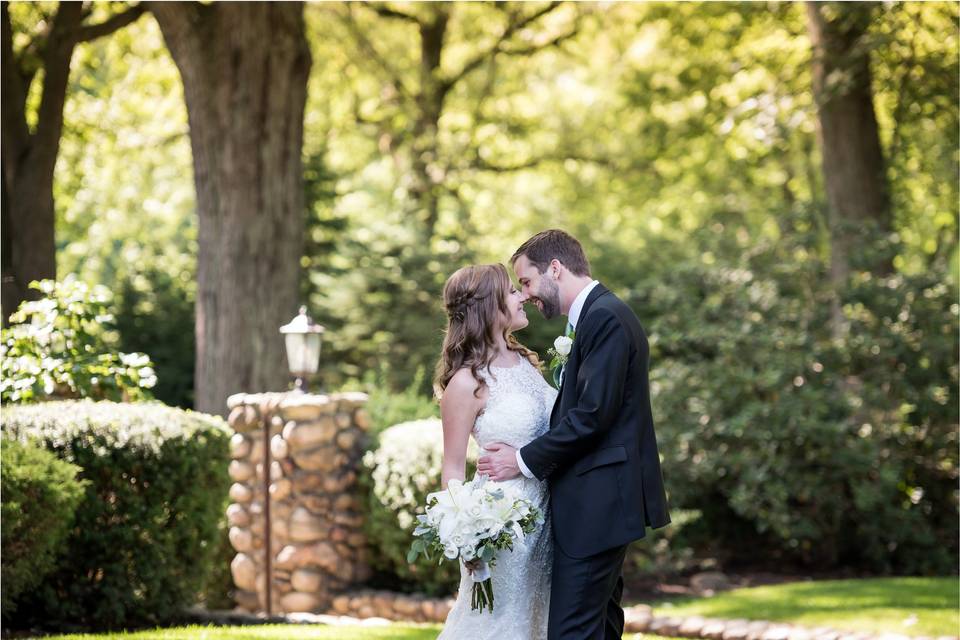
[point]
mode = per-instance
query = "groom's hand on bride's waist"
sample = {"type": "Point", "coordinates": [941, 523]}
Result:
{"type": "Point", "coordinates": [499, 462]}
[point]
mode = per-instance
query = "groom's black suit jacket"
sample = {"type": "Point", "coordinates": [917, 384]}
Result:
{"type": "Point", "coordinates": [600, 456]}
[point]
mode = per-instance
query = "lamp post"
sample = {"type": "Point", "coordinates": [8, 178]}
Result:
{"type": "Point", "coordinates": [302, 338]}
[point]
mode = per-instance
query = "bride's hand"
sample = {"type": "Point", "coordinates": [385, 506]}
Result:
{"type": "Point", "coordinates": [472, 565]}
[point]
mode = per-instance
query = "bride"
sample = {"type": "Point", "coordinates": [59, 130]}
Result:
{"type": "Point", "coordinates": [490, 387]}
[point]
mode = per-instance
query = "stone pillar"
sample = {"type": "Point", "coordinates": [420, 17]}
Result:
{"type": "Point", "coordinates": [318, 548]}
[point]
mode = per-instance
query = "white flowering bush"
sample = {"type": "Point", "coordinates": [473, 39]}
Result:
{"type": "Point", "coordinates": [63, 346]}
{"type": "Point", "coordinates": [403, 467]}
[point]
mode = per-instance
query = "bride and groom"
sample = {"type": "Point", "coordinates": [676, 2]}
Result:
{"type": "Point", "coordinates": [585, 454]}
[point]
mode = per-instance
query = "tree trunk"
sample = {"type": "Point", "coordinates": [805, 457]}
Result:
{"type": "Point", "coordinates": [244, 68]}
{"type": "Point", "coordinates": [853, 164]}
{"type": "Point", "coordinates": [29, 157]}
{"type": "Point", "coordinates": [430, 101]}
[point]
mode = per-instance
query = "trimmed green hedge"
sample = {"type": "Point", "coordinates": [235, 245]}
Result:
{"type": "Point", "coordinates": [146, 533]}
{"type": "Point", "coordinates": [40, 498]}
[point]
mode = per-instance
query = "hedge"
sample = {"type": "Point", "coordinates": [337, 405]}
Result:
{"type": "Point", "coordinates": [40, 497]}
{"type": "Point", "coordinates": [146, 532]}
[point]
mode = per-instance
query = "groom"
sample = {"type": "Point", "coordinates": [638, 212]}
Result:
{"type": "Point", "coordinates": [600, 455]}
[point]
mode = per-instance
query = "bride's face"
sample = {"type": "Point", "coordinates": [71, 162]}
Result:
{"type": "Point", "coordinates": [517, 318]}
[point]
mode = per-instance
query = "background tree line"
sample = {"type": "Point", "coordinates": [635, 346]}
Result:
{"type": "Point", "coordinates": [773, 186]}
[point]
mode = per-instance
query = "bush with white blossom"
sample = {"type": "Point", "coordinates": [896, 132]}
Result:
{"type": "Point", "coordinates": [403, 467]}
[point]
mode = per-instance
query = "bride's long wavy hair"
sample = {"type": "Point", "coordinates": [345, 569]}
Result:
{"type": "Point", "coordinates": [475, 298]}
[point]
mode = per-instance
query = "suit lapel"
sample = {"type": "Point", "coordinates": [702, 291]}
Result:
{"type": "Point", "coordinates": [570, 370]}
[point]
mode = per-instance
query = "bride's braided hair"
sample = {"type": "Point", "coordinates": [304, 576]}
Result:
{"type": "Point", "coordinates": [475, 299]}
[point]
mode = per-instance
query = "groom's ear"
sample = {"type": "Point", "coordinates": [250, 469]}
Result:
{"type": "Point", "coordinates": [555, 268]}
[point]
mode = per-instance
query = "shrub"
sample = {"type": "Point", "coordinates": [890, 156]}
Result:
{"type": "Point", "coordinates": [154, 309]}
{"type": "Point", "coordinates": [40, 496]}
{"type": "Point", "coordinates": [147, 530]}
{"type": "Point", "coordinates": [664, 552]}
{"type": "Point", "coordinates": [388, 408]}
{"type": "Point", "coordinates": [792, 443]}
{"type": "Point", "coordinates": [403, 468]}
{"type": "Point", "coordinates": [63, 346]}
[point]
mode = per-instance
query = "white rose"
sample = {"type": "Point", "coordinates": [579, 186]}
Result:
{"type": "Point", "coordinates": [562, 345]}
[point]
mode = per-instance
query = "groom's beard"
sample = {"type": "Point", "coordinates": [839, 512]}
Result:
{"type": "Point", "coordinates": [549, 297]}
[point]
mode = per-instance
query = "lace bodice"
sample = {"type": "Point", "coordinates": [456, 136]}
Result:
{"type": "Point", "coordinates": [517, 410]}
{"type": "Point", "coordinates": [518, 405]}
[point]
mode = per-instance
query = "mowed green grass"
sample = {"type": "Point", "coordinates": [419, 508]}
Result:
{"type": "Point", "coordinates": [911, 606]}
{"type": "Point", "coordinates": [272, 632]}
{"type": "Point", "coordinates": [285, 632]}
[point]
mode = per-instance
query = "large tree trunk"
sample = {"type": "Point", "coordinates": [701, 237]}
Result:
{"type": "Point", "coordinates": [29, 157]}
{"type": "Point", "coordinates": [430, 99]}
{"type": "Point", "coordinates": [853, 164]}
{"type": "Point", "coordinates": [244, 68]}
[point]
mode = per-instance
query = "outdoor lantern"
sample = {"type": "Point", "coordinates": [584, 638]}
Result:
{"type": "Point", "coordinates": [302, 339]}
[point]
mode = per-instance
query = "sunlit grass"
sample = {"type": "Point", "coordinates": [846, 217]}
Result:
{"type": "Point", "coordinates": [286, 632]}
{"type": "Point", "coordinates": [911, 606]}
{"type": "Point", "coordinates": [272, 632]}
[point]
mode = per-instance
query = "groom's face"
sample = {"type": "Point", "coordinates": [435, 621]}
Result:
{"type": "Point", "coordinates": [538, 288]}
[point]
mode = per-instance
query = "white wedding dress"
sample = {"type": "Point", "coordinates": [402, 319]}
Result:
{"type": "Point", "coordinates": [517, 411]}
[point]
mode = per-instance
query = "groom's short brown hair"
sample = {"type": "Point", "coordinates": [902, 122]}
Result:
{"type": "Point", "coordinates": [550, 244]}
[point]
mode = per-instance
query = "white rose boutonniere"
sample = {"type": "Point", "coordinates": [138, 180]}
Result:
{"type": "Point", "coordinates": [559, 354]}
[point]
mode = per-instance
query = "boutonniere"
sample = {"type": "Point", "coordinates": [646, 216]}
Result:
{"type": "Point", "coordinates": [559, 353]}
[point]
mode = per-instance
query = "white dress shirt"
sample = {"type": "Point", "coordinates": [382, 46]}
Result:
{"type": "Point", "coordinates": [573, 317]}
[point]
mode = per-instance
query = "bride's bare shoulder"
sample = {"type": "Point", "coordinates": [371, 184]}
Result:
{"type": "Point", "coordinates": [462, 384]}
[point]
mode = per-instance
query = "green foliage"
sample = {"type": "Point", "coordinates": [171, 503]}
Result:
{"type": "Point", "coordinates": [147, 532]}
{"type": "Point", "coordinates": [154, 314]}
{"type": "Point", "coordinates": [403, 467]}
{"type": "Point", "coordinates": [830, 450]}
{"type": "Point", "coordinates": [388, 408]}
{"type": "Point", "coordinates": [218, 588]}
{"type": "Point", "coordinates": [126, 213]}
{"type": "Point", "coordinates": [40, 496]}
{"type": "Point", "coordinates": [665, 552]}
{"type": "Point", "coordinates": [63, 346]}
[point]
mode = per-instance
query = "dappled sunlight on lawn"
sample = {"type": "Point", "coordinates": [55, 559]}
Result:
{"type": "Point", "coordinates": [913, 606]}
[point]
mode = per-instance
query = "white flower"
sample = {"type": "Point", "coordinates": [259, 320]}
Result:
{"type": "Point", "coordinates": [562, 345]}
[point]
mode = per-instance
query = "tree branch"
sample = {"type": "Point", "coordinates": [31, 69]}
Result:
{"type": "Point", "coordinates": [365, 44]}
{"type": "Point", "coordinates": [496, 48]}
{"type": "Point", "coordinates": [386, 12]}
{"type": "Point", "coordinates": [89, 32]}
{"type": "Point", "coordinates": [539, 47]}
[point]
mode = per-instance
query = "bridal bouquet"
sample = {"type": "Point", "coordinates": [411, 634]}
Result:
{"type": "Point", "coordinates": [471, 521]}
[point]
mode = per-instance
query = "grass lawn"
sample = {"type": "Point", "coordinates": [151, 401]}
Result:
{"type": "Point", "coordinates": [911, 606]}
{"type": "Point", "coordinates": [285, 632]}
{"type": "Point", "coordinates": [272, 632]}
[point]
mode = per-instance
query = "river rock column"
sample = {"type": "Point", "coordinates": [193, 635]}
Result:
{"type": "Point", "coordinates": [318, 548]}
